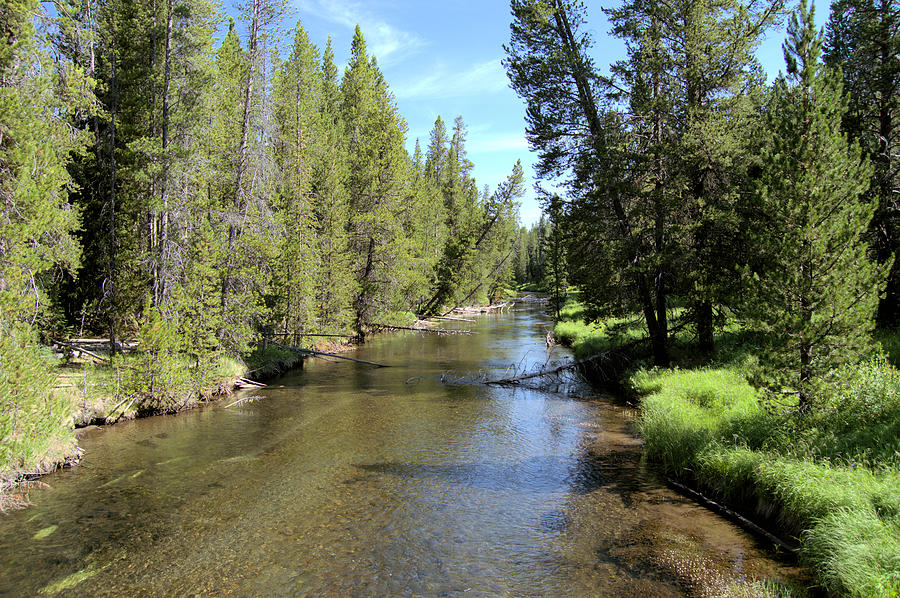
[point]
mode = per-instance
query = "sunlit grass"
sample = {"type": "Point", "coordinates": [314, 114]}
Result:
{"type": "Point", "coordinates": [832, 475]}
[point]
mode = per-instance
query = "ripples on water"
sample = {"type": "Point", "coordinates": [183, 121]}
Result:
{"type": "Point", "coordinates": [347, 480]}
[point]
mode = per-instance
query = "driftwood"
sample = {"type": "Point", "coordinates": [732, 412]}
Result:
{"type": "Point", "coordinates": [541, 372]}
{"type": "Point", "coordinates": [83, 350]}
{"type": "Point", "coordinates": [480, 310]}
{"type": "Point", "coordinates": [453, 319]}
{"type": "Point", "coordinates": [309, 334]}
{"type": "Point", "coordinates": [247, 383]}
{"type": "Point", "coordinates": [434, 330]}
{"type": "Point", "coordinates": [606, 355]}
{"type": "Point", "coordinates": [321, 353]}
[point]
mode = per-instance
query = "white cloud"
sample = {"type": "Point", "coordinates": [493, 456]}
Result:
{"type": "Point", "coordinates": [384, 41]}
{"type": "Point", "coordinates": [506, 143]}
{"type": "Point", "coordinates": [480, 78]}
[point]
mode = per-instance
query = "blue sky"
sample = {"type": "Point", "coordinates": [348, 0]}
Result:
{"type": "Point", "coordinates": [443, 58]}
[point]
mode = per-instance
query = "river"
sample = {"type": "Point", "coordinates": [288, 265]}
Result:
{"type": "Point", "coordinates": [345, 480]}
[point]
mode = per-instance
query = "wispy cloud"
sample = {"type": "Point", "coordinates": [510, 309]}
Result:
{"type": "Point", "coordinates": [386, 42]}
{"type": "Point", "coordinates": [480, 78]}
{"type": "Point", "coordinates": [504, 143]}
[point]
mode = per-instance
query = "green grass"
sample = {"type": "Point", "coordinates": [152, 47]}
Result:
{"type": "Point", "coordinates": [829, 477]}
{"type": "Point", "coordinates": [832, 477]}
{"type": "Point", "coordinates": [591, 337]}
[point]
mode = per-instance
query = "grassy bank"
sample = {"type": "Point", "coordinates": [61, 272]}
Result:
{"type": "Point", "coordinates": [46, 397]}
{"type": "Point", "coordinates": [829, 478]}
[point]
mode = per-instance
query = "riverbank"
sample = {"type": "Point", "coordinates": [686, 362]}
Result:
{"type": "Point", "coordinates": [84, 388]}
{"type": "Point", "coordinates": [499, 491]}
{"type": "Point", "coordinates": [828, 480]}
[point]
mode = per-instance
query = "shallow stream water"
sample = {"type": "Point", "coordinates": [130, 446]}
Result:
{"type": "Point", "coordinates": [347, 480]}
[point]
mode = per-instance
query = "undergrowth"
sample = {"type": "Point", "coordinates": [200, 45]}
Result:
{"type": "Point", "coordinates": [829, 476]}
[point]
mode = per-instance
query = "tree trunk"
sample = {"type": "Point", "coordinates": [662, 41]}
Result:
{"type": "Point", "coordinates": [703, 315]}
{"type": "Point", "coordinates": [111, 274]}
{"type": "Point", "coordinates": [162, 256]}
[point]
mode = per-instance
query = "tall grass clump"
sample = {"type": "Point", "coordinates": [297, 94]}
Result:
{"type": "Point", "coordinates": [35, 423]}
{"type": "Point", "coordinates": [830, 475]}
{"type": "Point", "coordinates": [684, 411]}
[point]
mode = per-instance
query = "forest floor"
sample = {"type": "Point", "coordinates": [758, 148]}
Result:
{"type": "Point", "coordinates": [828, 480]}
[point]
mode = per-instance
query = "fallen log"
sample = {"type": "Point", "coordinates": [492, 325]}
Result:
{"type": "Point", "coordinates": [83, 350]}
{"type": "Point", "coordinates": [472, 309]}
{"type": "Point", "coordinates": [549, 372]}
{"type": "Point", "coordinates": [704, 500]}
{"type": "Point", "coordinates": [453, 319]}
{"type": "Point", "coordinates": [434, 330]}
{"type": "Point", "coordinates": [320, 353]}
{"type": "Point", "coordinates": [310, 334]}
{"type": "Point", "coordinates": [245, 382]}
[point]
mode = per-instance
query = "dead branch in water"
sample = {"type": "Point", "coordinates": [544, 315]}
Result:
{"type": "Point", "coordinates": [452, 319]}
{"type": "Point", "coordinates": [704, 500]}
{"type": "Point", "coordinates": [243, 400]}
{"type": "Point", "coordinates": [310, 334]}
{"type": "Point", "coordinates": [433, 330]}
{"type": "Point", "coordinates": [244, 382]}
{"type": "Point", "coordinates": [319, 353]}
{"type": "Point", "coordinates": [605, 356]}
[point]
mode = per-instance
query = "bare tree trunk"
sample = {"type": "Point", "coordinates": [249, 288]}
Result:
{"type": "Point", "coordinates": [658, 334]}
{"type": "Point", "coordinates": [111, 274]}
{"type": "Point", "coordinates": [163, 253]}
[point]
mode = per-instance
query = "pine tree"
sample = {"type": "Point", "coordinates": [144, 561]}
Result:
{"type": "Point", "coordinates": [863, 40]}
{"type": "Point", "coordinates": [37, 221]}
{"type": "Point", "coordinates": [36, 227]}
{"type": "Point", "coordinates": [334, 283]}
{"type": "Point", "coordinates": [297, 103]}
{"type": "Point", "coordinates": [377, 177]}
{"type": "Point", "coordinates": [618, 253]}
{"type": "Point", "coordinates": [819, 293]}
{"type": "Point", "coordinates": [555, 249]}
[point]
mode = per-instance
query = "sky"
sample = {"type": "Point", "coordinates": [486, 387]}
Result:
{"type": "Point", "coordinates": [444, 58]}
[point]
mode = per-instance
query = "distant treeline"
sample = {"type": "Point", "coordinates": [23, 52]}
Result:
{"type": "Point", "coordinates": [232, 188]}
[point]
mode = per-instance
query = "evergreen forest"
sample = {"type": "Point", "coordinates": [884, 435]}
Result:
{"type": "Point", "coordinates": [166, 181]}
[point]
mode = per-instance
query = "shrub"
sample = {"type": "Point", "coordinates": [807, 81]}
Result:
{"type": "Point", "coordinates": [33, 421]}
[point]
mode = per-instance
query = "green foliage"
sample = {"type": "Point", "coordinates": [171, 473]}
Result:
{"type": "Point", "coordinates": [863, 41]}
{"type": "Point", "coordinates": [159, 377]}
{"type": "Point", "coordinates": [817, 290]}
{"type": "Point", "coordinates": [833, 475]}
{"type": "Point", "coordinates": [36, 220]}
{"type": "Point", "coordinates": [34, 422]}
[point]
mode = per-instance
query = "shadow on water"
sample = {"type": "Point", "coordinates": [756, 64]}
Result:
{"type": "Point", "coordinates": [584, 474]}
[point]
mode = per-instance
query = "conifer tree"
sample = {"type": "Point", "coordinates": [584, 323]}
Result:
{"type": "Point", "coordinates": [37, 221]}
{"type": "Point", "coordinates": [334, 284]}
{"type": "Point", "coordinates": [377, 177]}
{"type": "Point", "coordinates": [818, 295]}
{"type": "Point", "coordinates": [863, 40]}
{"type": "Point", "coordinates": [297, 102]}
{"type": "Point", "coordinates": [36, 226]}
{"type": "Point", "coordinates": [555, 249]}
